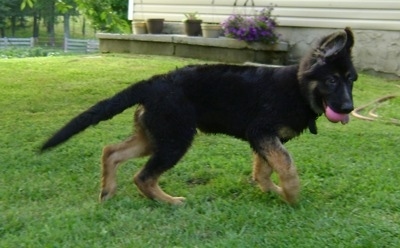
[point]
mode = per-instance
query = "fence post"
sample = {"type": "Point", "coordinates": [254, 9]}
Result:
{"type": "Point", "coordinates": [65, 44]}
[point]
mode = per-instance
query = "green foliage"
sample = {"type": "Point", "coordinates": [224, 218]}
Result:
{"type": "Point", "coordinates": [3, 10]}
{"type": "Point", "coordinates": [64, 7]}
{"type": "Point", "coordinates": [105, 15]}
{"type": "Point", "coordinates": [191, 16]}
{"type": "Point", "coordinates": [15, 52]}
{"type": "Point", "coordinates": [349, 174]}
{"type": "Point", "coordinates": [26, 3]}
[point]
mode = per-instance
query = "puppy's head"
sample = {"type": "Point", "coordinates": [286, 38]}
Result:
{"type": "Point", "coordinates": [326, 76]}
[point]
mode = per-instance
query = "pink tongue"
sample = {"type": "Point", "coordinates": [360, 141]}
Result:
{"type": "Point", "coordinates": [336, 117]}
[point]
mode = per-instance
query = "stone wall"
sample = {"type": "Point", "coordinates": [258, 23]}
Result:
{"type": "Point", "coordinates": [216, 49]}
{"type": "Point", "coordinates": [374, 50]}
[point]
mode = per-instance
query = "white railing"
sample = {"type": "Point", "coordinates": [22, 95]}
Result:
{"type": "Point", "coordinates": [16, 42]}
{"type": "Point", "coordinates": [80, 45]}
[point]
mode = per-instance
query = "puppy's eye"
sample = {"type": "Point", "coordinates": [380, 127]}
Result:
{"type": "Point", "coordinates": [332, 81]}
{"type": "Point", "coordinates": [352, 78]}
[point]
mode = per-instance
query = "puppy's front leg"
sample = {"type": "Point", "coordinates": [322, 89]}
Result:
{"type": "Point", "coordinates": [262, 175]}
{"type": "Point", "coordinates": [276, 156]}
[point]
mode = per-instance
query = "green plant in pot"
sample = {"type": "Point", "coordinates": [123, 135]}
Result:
{"type": "Point", "coordinates": [192, 24]}
{"type": "Point", "coordinates": [211, 30]}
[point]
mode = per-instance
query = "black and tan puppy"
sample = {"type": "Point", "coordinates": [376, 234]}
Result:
{"type": "Point", "coordinates": [264, 106]}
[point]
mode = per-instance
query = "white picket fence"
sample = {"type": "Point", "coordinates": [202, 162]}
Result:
{"type": "Point", "coordinates": [16, 42]}
{"type": "Point", "coordinates": [80, 45]}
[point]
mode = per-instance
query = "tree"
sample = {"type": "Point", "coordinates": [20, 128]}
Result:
{"type": "Point", "coordinates": [42, 9]}
{"type": "Point", "coordinates": [3, 17]}
{"type": "Point", "coordinates": [66, 8]}
{"type": "Point", "coordinates": [105, 15]}
{"type": "Point", "coordinates": [13, 14]}
{"type": "Point", "coordinates": [49, 9]}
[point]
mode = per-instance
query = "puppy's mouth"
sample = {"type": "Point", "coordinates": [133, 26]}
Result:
{"type": "Point", "coordinates": [334, 116]}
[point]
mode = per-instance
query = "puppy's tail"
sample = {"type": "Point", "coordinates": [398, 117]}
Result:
{"type": "Point", "coordinates": [101, 111]}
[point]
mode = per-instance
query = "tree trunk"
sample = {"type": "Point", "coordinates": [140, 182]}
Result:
{"type": "Point", "coordinates": [84, 26]}
{"type": "Point", "coordinates": [67, 28]}
{"type": "Point", "coordinates": [13, 20]}
{"type": "Point", "coordinates": [36, 18]}
{"type": "Point", "coordinates": [50, 25]}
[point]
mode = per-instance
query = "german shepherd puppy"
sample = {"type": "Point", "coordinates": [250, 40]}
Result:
{"type": "Point", "coordinates": [264, 106]}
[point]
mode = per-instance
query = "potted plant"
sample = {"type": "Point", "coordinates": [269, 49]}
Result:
{"type": "Point", "coordinates": [257, 28]}
{"type": "Point", "coordinates": [211, 30]}
{"type": "Point", "coordinates": [191, 24]}
{"type": "Point", "coordinates": [155, 25]}
{"type": "Point", "coordinates": [139, 27]}
{"type": "Point", "coordinates": [139, 24]}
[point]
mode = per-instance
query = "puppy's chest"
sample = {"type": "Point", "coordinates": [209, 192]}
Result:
{"type": "Point", "coordinates": [286, 133]}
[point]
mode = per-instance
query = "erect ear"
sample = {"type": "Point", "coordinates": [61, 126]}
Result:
{"type": "Point", "coordinates": [327, 49]}
{"type": "Point", "coordinates": [350, 38]}
{"type": "Point", "coordinates": [331, 45]}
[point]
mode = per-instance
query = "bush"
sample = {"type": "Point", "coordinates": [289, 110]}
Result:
{"type": "Point", "coordinates": [15, 52]}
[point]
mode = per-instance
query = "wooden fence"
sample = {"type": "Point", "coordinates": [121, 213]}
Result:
{"type": "Point", "coordinates": [16, 42]}
{"type": "Point", "coordinates": [70, 45]}
{"type": "Point", "coordinates": [80, 45]}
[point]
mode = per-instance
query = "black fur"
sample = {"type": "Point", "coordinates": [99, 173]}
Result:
{"type": "Point", "coordinates": [227, 99]}
{"type": "Point", "coordinates": [250, 103]}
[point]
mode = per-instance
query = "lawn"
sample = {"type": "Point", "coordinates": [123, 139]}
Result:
{"type": "Point", "coordinates": [350, 174]}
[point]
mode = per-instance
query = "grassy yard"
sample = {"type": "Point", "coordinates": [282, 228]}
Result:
{"type": "Point", "coordinates": [350, 174]}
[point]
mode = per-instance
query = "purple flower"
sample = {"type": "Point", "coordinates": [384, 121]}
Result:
{"type": "Point", "coordinates": [257, 28]}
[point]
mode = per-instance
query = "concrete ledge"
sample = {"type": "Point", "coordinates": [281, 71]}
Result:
{"type": "Point", "coordinates": [219, 49]}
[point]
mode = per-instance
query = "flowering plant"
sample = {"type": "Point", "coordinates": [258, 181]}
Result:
{"type": "Point", "coordinates": [259, 27]}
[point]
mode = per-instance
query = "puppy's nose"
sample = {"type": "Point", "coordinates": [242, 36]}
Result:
{"type": "Point", "coordinates": [347, 107]}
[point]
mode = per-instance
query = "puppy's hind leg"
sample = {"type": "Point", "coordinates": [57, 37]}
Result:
{"type": "Point", "coordinates": [136, 146]}
{"type": "Point", "coordinates": [171, 124]}
{"type": "Point", "coordinates": [164, 158]}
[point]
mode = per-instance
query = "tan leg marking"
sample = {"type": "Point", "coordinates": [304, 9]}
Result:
{"type": "Point", "coordinates": [288, 177]}
{"type": "Point", "coordinates": [137, 146]}
{"type": "Point", "coordinates": [152, 190]}
{"type": "Point", "coordinates": [281, 162]}
{"type": "Point", "coordinates": [262, 175]}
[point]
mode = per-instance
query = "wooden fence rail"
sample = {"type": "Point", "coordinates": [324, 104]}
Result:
{"type": "Point", "coordinates": [80, 45]}
{"type": "Point", "coordinates": [70, 45]}
{"type": "Point", "coordinates": [16, 42]}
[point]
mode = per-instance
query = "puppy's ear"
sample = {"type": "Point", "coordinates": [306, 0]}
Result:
{"type": "Point", "coordinates": [328, 48]}
{"type": "Point", "coordinates": [331, 45]}
{"type": "Point", "coordinates": [350, 38]}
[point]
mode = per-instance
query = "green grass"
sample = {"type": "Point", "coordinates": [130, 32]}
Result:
{"type": "Point", "coordinates": [350, 174]}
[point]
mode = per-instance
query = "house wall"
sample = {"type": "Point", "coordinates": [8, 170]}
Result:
{"type": "Point", "coordinates": [376, 24]}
